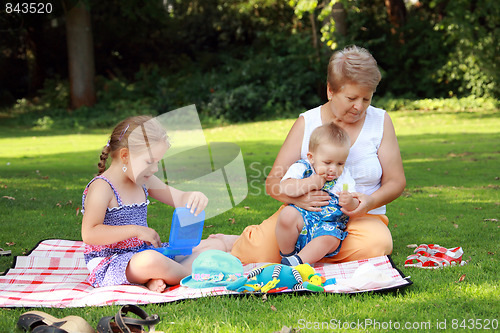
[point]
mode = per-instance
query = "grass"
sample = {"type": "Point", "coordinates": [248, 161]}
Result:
{"type": "Point", "coordinates": [452, 198]}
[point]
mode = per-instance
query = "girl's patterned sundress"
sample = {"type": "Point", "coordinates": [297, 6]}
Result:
{"type": "Point", "coordinates": [108, 263]}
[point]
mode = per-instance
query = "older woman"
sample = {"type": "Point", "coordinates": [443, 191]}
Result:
{"type": "Point", "coordinates": [374, 161]}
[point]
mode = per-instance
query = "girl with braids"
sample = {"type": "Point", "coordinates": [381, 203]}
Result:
{"type": "Point", "coordinates": [114, 206]}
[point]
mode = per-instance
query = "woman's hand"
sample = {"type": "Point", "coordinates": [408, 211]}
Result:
{"type": "Point", "coordinates": [365, 205]}
{"type": "Point", "coordinates": [148, 235]}
{"type": "Point", "coordinates": [196, 202]}
{"type": "Point", "coordinates": [312, 201]}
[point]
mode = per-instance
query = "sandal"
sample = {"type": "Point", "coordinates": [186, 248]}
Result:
{"type": "Point", "coordinates": [424, 262]}
{"type": "Point", "coordinates": [39, 322]}
{"type": "Point", "coordinates": [450, 257]}
{"type": "Point", "coordinates": [429, 249]}
{"type": "Point", "coordinates": [123, 324]}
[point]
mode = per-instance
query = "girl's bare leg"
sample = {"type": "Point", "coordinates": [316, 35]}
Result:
{"type": "Point", "coordinates": [156, 271]}
{"type": "Point", "coordinates": [228, 240]}
{"type": "Point", "coordinates": [153, 269]}
{"type": "Point", "coordinates": [206, 244]}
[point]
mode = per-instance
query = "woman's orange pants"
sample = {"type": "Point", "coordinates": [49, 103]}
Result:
{"type": "Point", "coordinates": [368, 237]}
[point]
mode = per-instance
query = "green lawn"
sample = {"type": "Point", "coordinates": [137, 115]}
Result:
{"type": "Point", "coordinates": [452, 198]}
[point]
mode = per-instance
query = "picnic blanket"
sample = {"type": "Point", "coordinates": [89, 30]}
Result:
{"type": "Point", "coordinates": [54, 275]}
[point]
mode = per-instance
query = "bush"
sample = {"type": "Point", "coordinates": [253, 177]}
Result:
{"type": "Point", "coordinates": [454, 104]}
{"type": "Point", "coordinates": [278, 77]}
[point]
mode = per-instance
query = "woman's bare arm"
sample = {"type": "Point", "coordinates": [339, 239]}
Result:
{"type": "Point", "coordinates": [288, 154]}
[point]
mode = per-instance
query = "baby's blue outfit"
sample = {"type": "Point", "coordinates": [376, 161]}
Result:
{"type": "Point", "coordinates": [330, 221]}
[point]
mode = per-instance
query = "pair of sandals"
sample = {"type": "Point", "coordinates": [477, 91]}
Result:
{"type": "Point", "coordinates": [435, 256]}
{"type": "Point", "coordinates": [41, 322]}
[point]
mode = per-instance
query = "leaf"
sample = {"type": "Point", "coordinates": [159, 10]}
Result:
{"type": "Point", "coordinates": [246, 207]}
{"type": "Point", "coordinates": [232, 220]}
{"type": "Point", "coordinates": [412, 246]}
{"type": "Point", "coordinates": [10, 243]}
{"type": "Point", "coordinates": [461, 278]}
{"type": "Point", "coordinates": [7, 197]}
{"type": "Point", "coordinates": [286, 329]}
{"type": "Point", "coordinates": [273, 308]}
{"type": "Point", "coordinates": [455, 225]}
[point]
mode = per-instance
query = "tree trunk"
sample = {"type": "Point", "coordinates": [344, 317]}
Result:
{"type": "Point", "coordinates": [396, 11]}
{"type": "Point", "coordinates": [35, 53]}
{"type": "Point", "coordinates": [339, 17]}
{"type": "Point", "coordinates": [80, 56]}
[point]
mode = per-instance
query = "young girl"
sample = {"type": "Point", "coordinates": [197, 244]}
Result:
{"type": "Point", "coordinates": [114, 225]}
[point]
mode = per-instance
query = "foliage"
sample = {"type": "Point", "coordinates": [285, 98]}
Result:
{"type": "Point", "coordinates": [444, 48]}
{"type": "Point", "coordinates": [279, 76]}
{"type": "Point", "coordinates": [247, 59]}
{"type": "Point", "coordinates": [472, 31]}
{"type": "Point", "coordinates": [454, 104]}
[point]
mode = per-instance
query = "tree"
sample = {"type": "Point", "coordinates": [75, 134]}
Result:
{"type": "Point", "coordinates": [80, 56]}
{"type": "Point", "coordinates": [396, 11]}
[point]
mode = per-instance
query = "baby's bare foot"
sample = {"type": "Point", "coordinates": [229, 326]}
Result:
{"type": "Point", "coordinates": [156, 285]}
{"type": "Point", "coordinates": [228, 240]}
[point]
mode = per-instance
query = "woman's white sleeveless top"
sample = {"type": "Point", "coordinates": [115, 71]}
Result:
{"type": "Point", "coordinates": [363, 162]}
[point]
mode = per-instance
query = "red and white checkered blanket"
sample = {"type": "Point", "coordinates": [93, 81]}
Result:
{"type": "Point", "coordinates": [54, 275]}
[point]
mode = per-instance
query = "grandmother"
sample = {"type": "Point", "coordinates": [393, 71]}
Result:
{"type": "Point", "coordinates": [374, 162]}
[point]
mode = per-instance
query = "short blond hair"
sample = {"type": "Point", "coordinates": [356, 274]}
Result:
{"type": "Point", "coordinates": [355, 65]}
{"type": "Point", "coordinates": [328, 133]}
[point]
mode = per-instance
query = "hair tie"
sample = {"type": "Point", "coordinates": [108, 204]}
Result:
{"type": "Point", "coordinates": [123, 132]}
{"type": "Point", "coordinates": [107, 144]}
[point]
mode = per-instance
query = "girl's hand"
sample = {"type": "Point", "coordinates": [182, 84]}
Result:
{"type": "Point", "coordinates": [313, 200]}
{"type": "Point", "coordinates": [196, 202]}
{"type": "Point", "coordinates": [365, 205]}
{"type": "Point", "coordinates": [150, 236]}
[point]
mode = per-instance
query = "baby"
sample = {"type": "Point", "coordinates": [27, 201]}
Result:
{"type": "Point", "coordinates": [307, 236]}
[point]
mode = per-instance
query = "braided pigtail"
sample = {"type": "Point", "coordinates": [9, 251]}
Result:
{"type": "Point", "coordinates": [104, 157]}
{"type": "Point", "coordinates": [122, 137]}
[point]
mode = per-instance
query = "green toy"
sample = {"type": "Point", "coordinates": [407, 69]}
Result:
{"type": "Point", "coordinates": [273, 277]}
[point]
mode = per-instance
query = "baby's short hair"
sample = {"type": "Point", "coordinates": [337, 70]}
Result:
{"type": "Point", "coordinates": [328, 133]}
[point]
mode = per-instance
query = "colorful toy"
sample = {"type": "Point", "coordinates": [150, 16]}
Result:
{"type": "Point", "coordinates": [276, 277]}
{"type": "Point", "coordinates": [313, 281]}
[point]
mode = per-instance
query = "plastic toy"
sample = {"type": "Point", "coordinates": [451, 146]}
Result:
{"type": "Point", "coordinates": [276, 277]}
{"type": "Point", "coordinates": [267, 278]}
{"type": "Point", "coordinates": [313, 281]}
{"type": "Point", "coordinates": [185, 233]}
